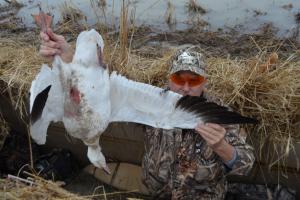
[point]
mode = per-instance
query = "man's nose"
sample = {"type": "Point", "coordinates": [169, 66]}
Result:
{"type": "Point", "coordinates": [186, 87]}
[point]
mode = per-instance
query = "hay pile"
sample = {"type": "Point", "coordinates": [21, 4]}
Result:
{"type": "Point", "coordinates": [19, 62]}
{"type": "Point", "coordinates": [36, 188]}
{"type": "Point", "coordinates": [140, 68]}
{"type": "Point", "coordinates": [271, 96]}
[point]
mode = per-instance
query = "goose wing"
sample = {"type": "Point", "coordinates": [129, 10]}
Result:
{"type": "Point", "coordinates": [46, 101]}
{"type": "Point", "coordinates": [143, 103]}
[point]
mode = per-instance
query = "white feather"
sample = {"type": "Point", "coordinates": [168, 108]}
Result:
{"type": "Point", "coordinates": [53, 110]}
{"type": "Point", "coordinates": [143, 103]}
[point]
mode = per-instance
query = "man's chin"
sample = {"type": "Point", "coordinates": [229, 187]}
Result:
{"type": "Point", "coordinates": [183, 93]}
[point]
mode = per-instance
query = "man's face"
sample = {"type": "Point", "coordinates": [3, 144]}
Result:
{"type": "Point", "coordinates": [187, 83]}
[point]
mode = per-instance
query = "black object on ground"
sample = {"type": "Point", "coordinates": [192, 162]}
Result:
{"type": "Point", "coordinates": [58, 165]}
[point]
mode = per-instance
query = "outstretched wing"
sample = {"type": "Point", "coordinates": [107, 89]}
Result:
{"type": "Point", "coordinates": [46, 101]}
{"type": "Point", "coordinates": [142, 103]}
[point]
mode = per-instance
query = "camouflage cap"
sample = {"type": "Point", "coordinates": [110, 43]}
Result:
{"type": "Point", "coordinates": [188, 60]}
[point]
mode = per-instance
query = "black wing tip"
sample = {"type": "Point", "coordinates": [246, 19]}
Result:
{"type": "Point", "coordinates": [39, 104]}
{"type": "Point", "coordinates": [239, 120]}
{"type": "Point", "coordinates": [211, 111]}
{"type": "Point", "coordinates": [46, 90]}
{"type": "Point", "coordinates": [187, 101]}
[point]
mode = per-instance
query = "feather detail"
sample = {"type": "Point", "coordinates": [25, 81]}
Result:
{"type": "Point", "coordinates": [212, 112]}
{"type": "Point", "coordinates": [39, 104]}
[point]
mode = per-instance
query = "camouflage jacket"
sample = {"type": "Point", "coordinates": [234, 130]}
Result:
{"type": "Point", "coordinates": [178, 164]}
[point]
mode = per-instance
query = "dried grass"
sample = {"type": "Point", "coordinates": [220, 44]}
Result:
{"type": "Point", "coordinates": [8, 16]}
{"type": "Point", "coordinates": [14, 3]}
{"type": "Point", "coordinates": [72, 19]}
{"type": "Point", "coordinates": [170, 17]}
{"type": "Point", "coordinates": [35, 188]}
{"type": "Point", "coordinates": [147, 70]}
{"type": "Point", "coordinates": [123, 35]}
{"type": "Point", "coordinates": [69, 12]}
{"type": "Point", "coordinates": [194, 7]}
{"type": "Point", "coordinates": [102, 3]}
{"type": "Point", "coordinates": [19, 63]}
{"type": "Point", "coordinates": [297, 17]}
{"type": "Point", "coordinates": [273, 97]}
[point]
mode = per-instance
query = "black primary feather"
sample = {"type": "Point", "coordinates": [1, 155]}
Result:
{"type": "Point", "coordinates": [39, 104]}
{"type": "Point", "coordinates": [212, 112]}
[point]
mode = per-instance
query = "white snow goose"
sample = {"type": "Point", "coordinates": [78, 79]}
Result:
{"type": "Point", "coordinates": [86, 98]}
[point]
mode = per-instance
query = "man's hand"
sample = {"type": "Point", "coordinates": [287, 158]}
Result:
{"type": "Point", "coordinates": [53, 44]}
{"type": "Point", "coordinates": [214, 135]}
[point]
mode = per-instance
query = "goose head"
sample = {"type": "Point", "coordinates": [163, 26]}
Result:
{"type": "Point", "coordinates": [89, 49]}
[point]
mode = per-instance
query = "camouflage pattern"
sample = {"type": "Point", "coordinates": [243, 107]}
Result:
{"type": "Point", "coordinates": [178, 164]}
{"type": "Point", "coordinates": [188, 60]}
